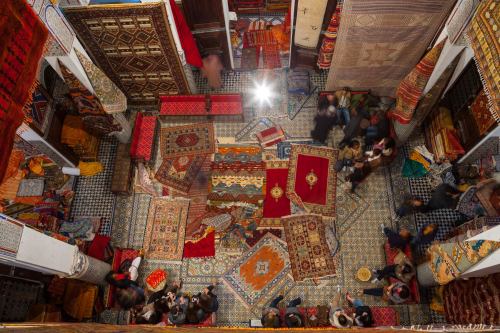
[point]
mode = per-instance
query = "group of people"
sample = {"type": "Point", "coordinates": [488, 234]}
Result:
{"type": "Point", "coordinates": [167, 305]}
{"type": "Point", "coordinates": [359, 116]}
{"type": "Point", "coordinates": [333, 314]}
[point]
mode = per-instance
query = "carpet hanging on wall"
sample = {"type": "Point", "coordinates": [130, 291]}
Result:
{"type": "Point", "coordinates": [411, 88]}
{"type": "Point", "coordinates": [22, 43]}
{"type": "Point", "coordinates": [328, 44]}
{"type": "Point", "coordinates": [134, 47]}
{"type": "Point", "coordinates": [484, 41]}
{"type": "Point", "coordinates": [380, 41]}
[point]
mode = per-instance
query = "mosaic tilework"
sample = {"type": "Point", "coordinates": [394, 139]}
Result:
{"type": "Point", "coordinates": [93, 194]}
{"type": "Point", "coordinates": [358, 221]}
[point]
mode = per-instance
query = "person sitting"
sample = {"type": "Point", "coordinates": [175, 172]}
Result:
{"type": "Point", "coordinates": [348, 155]}
{"type": "Point", "coordinates": [271, 314]}
{"type": "Point", "coordinates": [359, 174]}
{"type": "Point", "coordinates": [293, 317]}
{"type": "Point", "coordinates": [208, 300]}
{"type": "Point", "coordinates": [194, 313]}
{"type": "Point", "coordinates": [409, 206]}
{"type": "Point", "coordinates": [397, 240]}
{"type": "Point", "coordinates": [396, 293]}
{"type": "Point", "coordinates": [344, 102]}
{"type": "Point", "coordinates": [153, 312]}
{"type": "Point", "coordinates": [404, 271]}
{"type": "Point", "coordinates": [443, 196]}
{"type": "Point", "coordinates": [338, 317]}
{"type": "Point", "coordinates": [378, 129]}
{"type": "Point", "coordinates": [363, 315]}
{"type": "Point", "coordinates": [355, 127]}
{"type": "Point", "coordinates": [177, 315]}
{"type": "Point", "coordinates": [128, 294]}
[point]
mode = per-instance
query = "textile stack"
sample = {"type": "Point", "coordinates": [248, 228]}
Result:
{"type": "Point", "coordinates": [442, 137]}
{"type": "Point", "coordinates": [73, 134]}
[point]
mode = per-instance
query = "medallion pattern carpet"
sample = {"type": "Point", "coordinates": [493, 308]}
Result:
{"type": "Point", "coordinates": [164, 239]}
{"type": "Point", "coordinates": [307, 247]}
{"type": "Point", "coordinates": [260, 273]}
{"type": "Point", "coordinates": [134, 47]}
{"type": "Point", "coordinates": [180, 172]}
{"type": "Point", "coordinates": [186, 140]}
{"type": "Point", "coordinates": [312, 177]}
{"type": "Point", "coordinates": [379, 42]}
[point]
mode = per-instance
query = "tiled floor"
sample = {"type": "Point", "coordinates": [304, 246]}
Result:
{"type": "Point", "coordinates": [358, 221]}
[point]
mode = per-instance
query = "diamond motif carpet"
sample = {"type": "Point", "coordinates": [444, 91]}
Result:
{"type": "Point", "coordinates": [134, 46]}
{"type": "Point", "coordinates": [309, 253]}
{"type": "Point", "coordinates": [164, 239]}
{"type": "Point", "coordinates": [180, 172]}
{"type": "Point", "coordinates": [185, 140]}
{"type": "Point", "coordinates": [260, 273]}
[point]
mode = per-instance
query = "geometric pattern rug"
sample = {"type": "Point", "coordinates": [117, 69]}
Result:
{"type": "Point", "coordinates": [260, 273]}
{"type": "Point", "coordinates": [166, 228]}
{"type": "Point", "coordinates": [134, 47]}
{"type": "Point", "coordinates": [307, 247]}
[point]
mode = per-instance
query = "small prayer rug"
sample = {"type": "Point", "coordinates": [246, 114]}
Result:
{"type": "Point", "coordinates": [310, 256]}
{"type": "Point", "coordinates": [165, 229]}
{"type": "Point", "coordinates": [31, 187]}
{"type": "Point", "coordinates": [483, 38]}
{"type": "Point", "coordinates": [186, 140]}
{"type": "Point", "coordinates": [261, 273]}
{"type": "Point", "coordinates": [276, 203]}
{"type": "Point", "coordinates": [313, 178]}
{"type": "Point", "coordinates": [180, 172]}
{"type": "Point", "coordinates": [271, 136]}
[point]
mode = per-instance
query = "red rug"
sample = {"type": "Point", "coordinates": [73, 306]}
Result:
{"type": "Point", "coordinates": [203, 247]}
{"type": "Point", "coordinates": [143, 137]}
{"type": "Point", "coordinates": [22, 43]}
{"type": "Point", "coordinates": [180, 172]}
{"type": "Point", "coordinates": [276, 203]}
{"type": "Point", "coordinates": [473, 301]}
{"type": "Point", "coordinates": [312, 177]}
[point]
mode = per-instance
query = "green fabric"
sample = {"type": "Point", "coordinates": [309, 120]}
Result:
{"type": "Point", "coordinates": [413, 169]}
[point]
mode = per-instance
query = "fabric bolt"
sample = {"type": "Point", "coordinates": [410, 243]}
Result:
{"type": "Point", "coordinates": [309, 19]}
{"type": "Point", "coordinates": [188, 43]}
{"type": "Point", "coordinates": [180, 172]}
{"type": "Point", "coordinates": [310, 256]}
{"type": "Point", "coordinates": [21, 46]}
{"type": "Point", "coordinates": [426, 104]}
{"type": "Point", "coordinates": [481, 113]}
{"type": "Point", "coordinates": [165, 229]}
{"type": "Point", "coordinates": [379, 42]}
{"type": "Point", "coordinates": [134, 47]}
{"type": "Point", "coordinates": [330, 36]}
{"type": "Point", "coordinates": [276, 203]}
{"type": "Point", "coordinates": [312, 177]}
{"type": "Point", "coordinates": [411, 87]}
{"type": "Point", "coordinates": [201, 248]}
{"type": "Point", "coordinates": [482, 35]}
{"type": "Point", "coordinates": [449, 260]}
{"type": "Point", "coordinates": [186, 140]}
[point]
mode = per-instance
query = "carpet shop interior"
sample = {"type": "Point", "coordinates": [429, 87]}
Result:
{"type": "Point", "coordinates": [246, 164]}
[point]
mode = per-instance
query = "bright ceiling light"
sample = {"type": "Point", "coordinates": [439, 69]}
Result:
{"type": "Point", "coordinates": [262, 92]}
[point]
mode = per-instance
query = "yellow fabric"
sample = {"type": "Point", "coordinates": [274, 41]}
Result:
{"type": "Point", "coordinates": [89, 168]}
{"type": "Point", "coordinates": [79, 299]}
{"type": "Point", "coordinates": [417, 157]}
